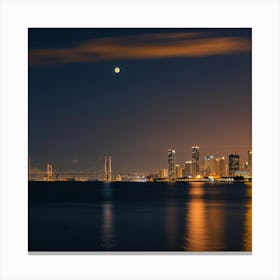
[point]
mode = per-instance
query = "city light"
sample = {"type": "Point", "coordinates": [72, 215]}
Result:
{"type": "Point", "coordinates": [214, 169]}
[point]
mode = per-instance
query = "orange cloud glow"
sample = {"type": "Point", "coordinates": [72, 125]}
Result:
{"type": "Point", "coordinates": [150, 46]}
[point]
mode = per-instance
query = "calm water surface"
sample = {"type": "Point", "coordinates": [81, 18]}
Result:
{"type": "Point", "coordinates": [120, 216]}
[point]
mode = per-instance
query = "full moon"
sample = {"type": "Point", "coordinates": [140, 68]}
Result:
{"type": "Point", "coordinates": [117, 70]}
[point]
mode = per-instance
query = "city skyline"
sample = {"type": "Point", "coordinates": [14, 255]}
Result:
{"type": "Point", "coordinates": [203, 156]}
{"type": "Point", "coordinates": [207, 166]}
{"type": "Point", "coordinates": [173, 88]}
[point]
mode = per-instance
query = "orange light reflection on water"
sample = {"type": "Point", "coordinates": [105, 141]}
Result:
{"type": "Point", "coordinates": [195, 221]}
{"type": "Point", "coordinates": [108, 237]}
{"type": "Point", "coordinates": [247, 240]}
{"type": "Point", "coordinates": [208, 222]}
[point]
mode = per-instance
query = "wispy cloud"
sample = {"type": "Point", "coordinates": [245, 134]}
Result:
{"type": "Point", "coordinates": [147, 46]}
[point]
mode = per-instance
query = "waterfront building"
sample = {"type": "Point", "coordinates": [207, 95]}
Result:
{"type": "Point", "coordinates": [233, 163]}
{"type": "Point", "coordinates": [195, 161]}
{"type": "Point", "coordinates": [178, 171]}
{"type": "Point", "coordinates": [163, 173]}
{"type": "Point", "coordinates": [187, 171]}
{"type": "Point", "coordinates": [246, 166]}
{"type": "Point", "coordinates": [242, 165]}
{"type": "Point", "coordinates": [221, 167]}
{"type": "Point", "coordinates": [209, 166]}
{"type": "Point", "coordinates": [242, 173]}
{"type": "Point", "coordinates": [226, 167]}
{"type": "Point", "coordinates": [171, 164]}
{"type": "Point", "coordinates": [249, 164]}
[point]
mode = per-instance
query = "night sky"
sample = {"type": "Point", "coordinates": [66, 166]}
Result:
{"type": "Point", "coordinates": [177, 88]}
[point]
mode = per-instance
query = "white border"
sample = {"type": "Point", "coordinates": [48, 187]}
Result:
{"type": "Point", "coordinates": [17, 16]}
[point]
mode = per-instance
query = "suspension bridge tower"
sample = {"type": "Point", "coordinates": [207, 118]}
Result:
{"type": "Point", "coordinates": [49, 172]}
{"type": "Point", "coordinates": [108, 169]}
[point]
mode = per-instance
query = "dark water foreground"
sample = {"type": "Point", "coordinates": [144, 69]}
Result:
{"type": "Point", "coordinates": [120, 216]}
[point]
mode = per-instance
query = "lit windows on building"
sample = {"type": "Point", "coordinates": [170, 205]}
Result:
{"type": "Point", "coordinates": [178, 171]}
{"type": "Point", "coordinates": [187, 171]}
{"type": "Point", "coordinates": [221, 167]}
{"type": "Point", "coordinates": [163, 173]}
{"type": "Point", "coordinates": [171, 164]}
{"type": "Point", "coordinates": [233, 163]}
{"type": "Point", "coordinates": [209, 166]}
{"type": "Point", "coordinates": [249, 164]}
{"type": "Point", "coordinates": [195, 161]}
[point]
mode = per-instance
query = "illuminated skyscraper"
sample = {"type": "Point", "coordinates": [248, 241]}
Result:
{"type": "Point", "coordinates": [233, 163]}
{"type": "Point", "coordinates": [195, 161]}
{"type": "Point", "coordinates": [187, 171]}
{"type": "Point", "coordinates": [221, 167]}
{"type": "Point", "coordinates": [163, 173]}
{"type": "Point", "coordinates": [171, 165]}
{"type": "Point", "coordinates": [108, 169]}
{"type": "Point", "coordinates": [209, 166]}
{"type": "Point", "coordinates": [178, 171]}
{"type": "Point", "coordinates": [250, 164]}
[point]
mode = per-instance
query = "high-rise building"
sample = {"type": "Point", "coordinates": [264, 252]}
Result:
{"type": "Point", "coordinates": [221, 167]}
{"type": "Point", "coordinates": [226, 168]}
{"type": "Point", "coordinates": [250, 164]}
{"type": "Point", "coordinates": [209, 166]}
{"type": "Point", "coordinates": [195, 161]}
{"type": "Point", "coordinates": [233, 163]}
{"type": "Point", "coordinates": [187, 171]}
{"type": "Point", "coordinates": [163, 173]}
{"type": "Point", "coordinates": [178, 171]}
{"type": "Point", "coordinates": [108, 169]}
{"type": "Point", "coordinates": [171, 164]}
{"type": "Point", "coordinates": [242, 165]}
